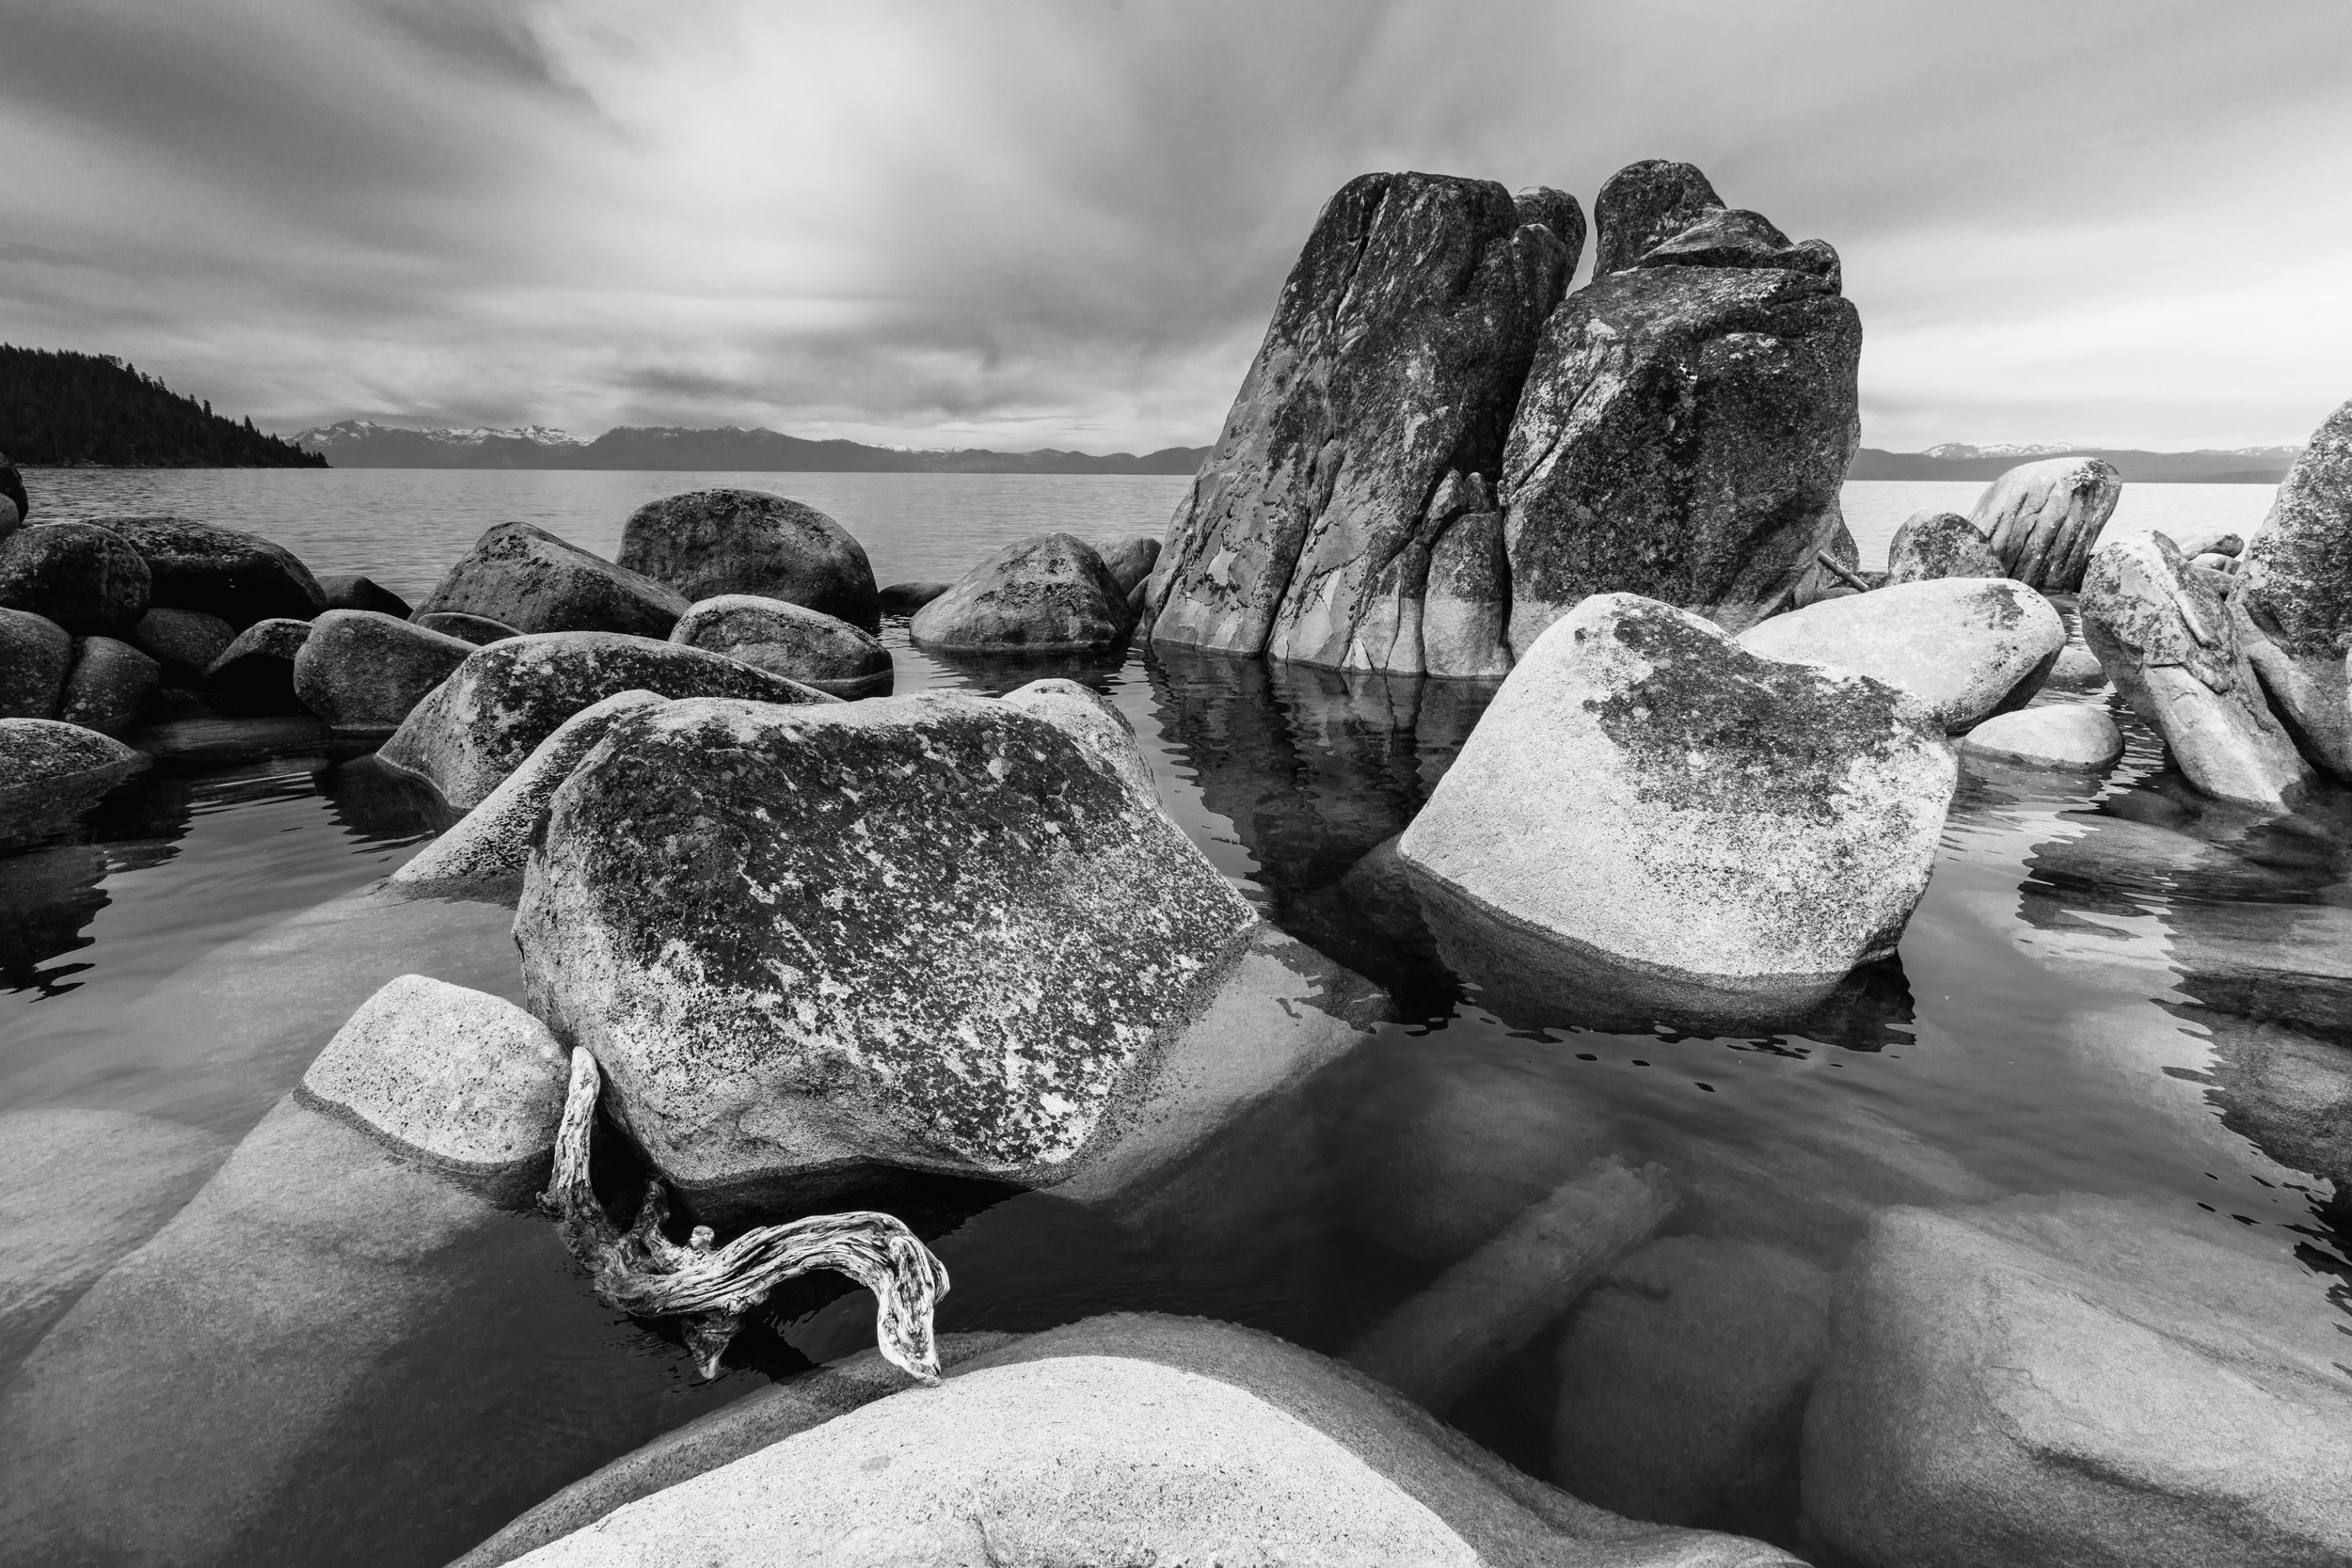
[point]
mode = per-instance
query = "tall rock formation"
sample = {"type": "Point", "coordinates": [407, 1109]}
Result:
{"type": "Point", "coordinates": [2044, 519]}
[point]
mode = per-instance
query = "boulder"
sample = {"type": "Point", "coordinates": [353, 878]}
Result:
{"type": "Point", "coordinates": [1017, 929]}
{"type": "Point", "coordinates": [2044, 519]}
{"type": "Point", "coordinates": [242, 578]}
{"type": "Point", "coordinates": [1643, 204]}
{"type": "Point", "coordinates": [111, 687]}
{"type": "Point", "coordinates": [480, 630]}
{"type": "Point", "coordinates": [2295, 609]}
{"type": "Point", "coordinates": [2078, 737]}
{"type": "Point", "coordinates": [1094, 722]}
{"type": "Point", "coordinates": [2075, 669]}
{"type": "Point", "coordinates": [2083, 1380]}
{"type": "Point", "coordinates": [81, 575]}
{"type": "Point", "coordinates": [1555, 210]}
{"type": "Point", "coordinates": [706, 542]}
{"type": "Point", "coordinates": [350, 591]}
{"type": "Point", "coordinates": [183, 641]}
{"type": "Point", "coordinates": [905, 598]}
{"type": "Point", "coordinates": [78, 1189]}
{"type": "Point", "coordinates": [51, 772]}
{"type": "Point", "coordinates": [1395, 355]}
{"type": "Point", "coordinates": [1965, 647]}
{"type": "Point", "coordinates": [2172, 648]}
{"type": "Point", "coordinates": [363, 671]}
{"type": "Point", "coordinates": [1046, 593]}
{"type": "Point", "coordinates": [525, 577]}
{"type": "Point", "coordinates": [477, 726]}
{"type": "Point", "coordinates": [1932, 544]}
{"type": "Point", "coordinates": [13, 490]}
{"type": "Point", "coordinates": [806, 645]}
{"type": "Point", "coordinates": [1735, 237]}
{"type": "Point", "coordinates": [255, 672]}
{"type": "Point", "coordinates": [1646, 789]}
{"type": "Point", "coordinates": [1129, 558]}
{"type": "Point", "coordinates": [35, 654]}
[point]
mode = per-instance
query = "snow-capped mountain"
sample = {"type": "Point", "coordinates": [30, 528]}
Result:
{"type": "Point", "coordinates": [2004, 448]}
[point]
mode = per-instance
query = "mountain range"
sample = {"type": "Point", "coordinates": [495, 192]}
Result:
{"type": "Point", "coordinates": [1953, 460]}
{"type": "Point", "coordinates": [363, 444]}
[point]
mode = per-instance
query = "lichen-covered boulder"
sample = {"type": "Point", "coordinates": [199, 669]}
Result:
{"type": "Point", "coordinates": [111, 687]}
{"type": "Point", "coordinates": [1643, 204]}
{"type": "Point", "coordinates": [183, 641]}
{"type": "Point", "coordinates": [255, 672]}
{"type": "Point", "coordinates": [85, 577]}
{"type": "Point", "coordinates": [242, 578]}
{"type": "Point", "coordinates": [525, 577]}
{"type": "Point", "coordinates": [1094, 722]}
{"type": "Point", "coordinates": [1644, 788]}
{"type": "Point", "coordinates": [2172, 647]}
{"type": "Point", "coordinates": [1932, 544]}
{"type": "Point", "coordinates": [480, 630]}
{"type": "Point", "coordinates": [477, 726]}
{"type": "Point", "coordinates": [35, 654]}
{"type": "Point", "coordinates": [1047, 594]}
{"type": "Point", "coordinates": [2043, 519]}
{"type": "Point", "coordinates": [1965, 647]}
{"type": "Point", "coordinates": [51, 772]}
{"type": "Point", "coordinates": [363, 671]}
{"type": "Point", "coordinates": [706, 542]}
{"type": "Point", "coordinates": [789, 639]}
{"type": "Point", "coordinates": [351, 590]}
{"type": "Point", "coordinates": [1395, 355]}
{"type": "Point", "coordinates": [2077, 737]}
{"type": "Point", "coordinates": [2295, 609]}
{"type": "Point", "coordinates": [1129, 558]}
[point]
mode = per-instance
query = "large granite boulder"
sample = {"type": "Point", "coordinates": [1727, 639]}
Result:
{"type": "Point", "coordinates": [85, 577]}
{"type": "Point", "coordinates": [2043, 519]}
{"type": "Point", "coordinates": [1932, 544]}
{"type": "Point", "coordinates": [2172, 647]}
{"type": "Point", "coordinates": [1646, 789]}
{"type": "Point", "coordinates": [706, 542]}
{"type": "Point", "coordinates": [51, 772]}
{"type": "Point", "coordinates": [1965, 647]}
{"type": "Point", "coordinates": [1395, 357]}
{"type": "Point", "coordinates": [255, 672]}
{"type": "Point", "coordinates": [35, 654]}
{"type": "Point", "coordinates": [242, 578]}
{"type": "Point", "coordinates": [363, 671]}
{"type": "Point", "coordinates": [2083, 1380]}
{"type": "Point", "coordinates": [528, 578]}
{"type": "Point", "coordinates": [789, 639]}
{"type": "Point", "coordinates": [477, 726]}
{"type": "Point", "coordinates": [2295, 609]}
{"type": "Point", "coordinates": [111, 685]}
{"type": "Point", "coordinates": [183, 641]}
{"type": "Point", "coordinates": [1046, 593]}
{"type": "Point", "coordinates": [1643, 204]}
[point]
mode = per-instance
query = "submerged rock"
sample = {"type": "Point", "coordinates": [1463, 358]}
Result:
{"type": "Point", "coordinates": [1643, 204]}
{"type": "Point", "coordinates": [35, 654]}
{"type": "Point", "coordinates": [350, 591]}
{"type": "Point", "coordinates": [525, 577]}
{"type": "Point", "coordinates": [1932, 544]}
{"type": "Point", "coordinates": [185, 641]}
{"type": "Point", "coordinates": [82, 576]}
{"type": "Point", "coordinates": [255, 673]}
{"type": "Point", "coordinates": [2074, 735]}
{"type": "Point", "coordinates": [2044, 519]}
{"type": "Point", "coordinates": [1965, 647]}
{"type": "Point", "coordinates": [111, 685]}
{"type": "Point", "coordinates": [1047, 594]}
{"type": "Point", "coordinates": [480, 630]}
{"type": "Point", "coordinates": [51, 772]}
{"type": "Point", "coordinates": [242, 578]}
{"type": "Point", "coordinates": [363, 671]}
{"type": "Point", "coordinates": [801, 645]}
{"type": "Point", "coordinates": [708, 543]}
{"type": "Point", "coordinates": [2295, 611]}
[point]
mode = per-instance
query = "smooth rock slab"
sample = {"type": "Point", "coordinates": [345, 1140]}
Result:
{"type": "Point", "coordinates": [528, 578]}
{"type": "Point", "coordinates": [111, 687]}
{"type": "Point", "coordinates": [35, 654]}
{"type": "Point", "coordinates": [706, 542]}
{"type": "Point", "coordinates": [787, 639]}
{"type": "Point", "coordinates": [1932, 544]}
{"type": "Point", "coordinates": [51, 772]}
{"type": "Point", "coordinates": [363, 671]}
{"type": "Point", "coordinates": [242, 578]}
{"type": "Point", "coordinates": [85, 577]}
{"type": "Point", "coordinates": [2044, 519]}
{"type": "Point", "coordinates": [2078, 736]}
{"type": "Point", "coordinates": [1048, 594]}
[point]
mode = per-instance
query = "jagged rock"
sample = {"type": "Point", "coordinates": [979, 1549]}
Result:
{"type": "Point", "coordinates": [2295, 610]}
{"type": "Point", "coordinates": [801, 645]}
{"type": "Point", "coordinates": [1965, 647]}
{"type": "Point", "coordinates": [35, 654]}
{"type": "Point", "coordinates": [477, 726]}
{"type": "Point", "coordinates": [2172, 647]}
{"type": "Point", "coordinates": [2074, 735]}
{"type": "Point", "coordinates": [525, 577]}
{"type": "Point", "coordinates": [111, 685]}
{"type": "Point", "coordinates": [2044, 519]}
{"type": "Point", "coordinates": [1046, 593]}
{"type": "Point", "coordinates": [1735, 237]}
{"type": "Point", "coordinates": [1556, 210]}
{"type": "Point", "coordinates": [1094, 722]}
{"type": "Point", "coordinates": [82, 576]}
{"type": "Point", "coordinates": [242, 578]}
{"type": "Point", "coordinates": [2081, 1379]}
{"type": "Point", "coordinates": [350, 591]}
{"type": "Point", "coordinates": [480, 630]}
{"type": "Point", "coordinates": [1395, 355]}
{"type": "Point", "coordinates": [183, 641]}
{"type": "Point", "coordinates": [1648, 790]}
{"type": "Point", "coordinates": [905, 598]}
{"type": "Point", "coordinates": [706, 542]}
{"type": "Point", "coordinates": [1129, 558]}
{"type": "Point", "coordinates": [255, 673]}
{"type": "Point", "coordinates": [1932, 544]}
{"type": "Point", "coordinates": [1643, 204]}
{"type": "Point", "coordinates": [363, 671]}
{"type": "Point", "coordinates": [51, 772]}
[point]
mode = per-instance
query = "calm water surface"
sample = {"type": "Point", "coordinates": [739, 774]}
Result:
{"type": "Point", "coordinates": [2081, 1004]}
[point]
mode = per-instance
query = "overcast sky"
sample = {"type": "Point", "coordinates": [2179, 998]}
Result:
{"type": "Point", "coordinates": [1016, 225]}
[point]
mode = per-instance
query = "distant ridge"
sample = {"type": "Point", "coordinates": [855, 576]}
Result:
{"type": "Point", "coordinates": [2244, 466]}
{"type": "Point", "coordinates": [61, 409]}
{"type": "Point", "coordinates": [363, 444]}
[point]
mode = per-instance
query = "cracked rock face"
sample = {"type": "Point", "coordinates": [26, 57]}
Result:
{"type": "Point", "coordinates": [2044, 519]}
{"type": "Point", "coordinates": [2296, 601]}
{"type": "Point", "coordinates": [927, 932]}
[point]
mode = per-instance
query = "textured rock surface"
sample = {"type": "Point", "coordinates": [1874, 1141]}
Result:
{"type": "Point", "coordinates": [789, 639]}
{"type": "Point", "coordinates": [362, 671]}
{"type": "Point", "coordinates": [1395, 357]}
{"type": "Point", "coordinates": [2080, 1379]}
{"type": "Point", "coordinates": [85, 577]}
{"type": "Point", "coordinates": [971, 982]}
{"type": "Point", "coordinates": [528, 578]}
{"type": "Point", "coordinates": [706, 542]}
{"type": "Point", "coordinates": [351, 590]}
{"type": "Point", "coordinates": [1556, 209]}
{"type": "Point", "coordinates": [480, 630]}
{"type": "Point", "coordinates": [242, 578]}
{"type": "Point", "coordinates": [1643, 204]}
{"type": "Point", "coordinates": [51, 772]}
{"type": "Point", "coordinates": [111, 684]}
{"type": "Point", "coordinates": [1644, 788]}
{"type": "Point", "coordinates": [1466, 609]}
{"type": "Point", "coordinates": [2296, 601]}
{"type": "Point", "coordinates": [1047, 594]}
{"type": "Point", "coordinates": [255, 672]}
{"type": "Point", "coordinates": [2044, 519]}
{"type": "Point", "coordinates": [1129, 558]}
{"type": "Point", "coordinates": [1965, 647]}
{"type": "Point", "coordinates": [2076, 736]}
{"type": "Point", "coordinates": [183, 641]}
{"type": "Point", "coordinates": [1932, 544]}
{"type": "Point", "coordinates": [2172, 647]}
{"type": "Point", "coordinates": [1094, 722]}
{"type": "Point", "coordinates": [1736, 237]}
{"type": "Point", "coordinates": [494, 709]}
{"type": "Point", "coordinates": [35, 654]}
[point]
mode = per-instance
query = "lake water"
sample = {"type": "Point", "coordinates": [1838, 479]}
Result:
{"type": "Point", "coordinates": [2084, 1002]}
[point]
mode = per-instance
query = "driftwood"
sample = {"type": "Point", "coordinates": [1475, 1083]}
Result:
{"type": "Point", "coordinates": [1851, 578]}
{"type": "Point", "coordinates": [642, 1272]}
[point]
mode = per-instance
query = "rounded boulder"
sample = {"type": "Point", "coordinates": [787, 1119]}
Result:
{"type": "Point", "coordinates": [240, 576]}
{"type": "Point", "coordinates": [528, 578]}
{"type": "Point", "coordinates": [85, 577]}
{"type": "Point", "coordinates": [183, 641]}
{"type": "Point", "coordinates": [706, 542]}
{"type": "Point", "coordinates": [362, 672]}
{"type": "Point", "coordinates": [350, 591]}
{"type": "Point", "coordinates": [111, 685]}
{"type": "Point", "coordinates": [35, 654]}
{"type": "Point", "coordinates": [1047, 594]}
{"type": "Point", "coordinates": [1932, 544]}
{"type": "Point", "coordinates": [789, 640]}
{"type": "Point", "coordinates": [2077, 737]}
{"type": "Point", "coordinates": [51, 772]}
{"type": "Point", "coordinates": [255, 673]}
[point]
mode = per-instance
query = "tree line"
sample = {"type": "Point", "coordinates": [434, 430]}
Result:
{"type": "Point", "coordinates": [58, 408]}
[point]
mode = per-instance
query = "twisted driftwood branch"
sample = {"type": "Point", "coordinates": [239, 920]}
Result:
{"type": "Point", "coordinates": [642, 1272]}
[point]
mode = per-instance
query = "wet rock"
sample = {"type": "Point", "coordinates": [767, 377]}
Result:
{"type": "Point", "coordinates": [1047, 594]}
{"type": "Point", "coordinates": [905, 598]}
{"type": "Point", "coordinates": [480, 630]}
{"type": "Point", "coordinates": [256, 673]}
{"type": "Point", "coordinates": [242, 578]}
{"type": "Point", "coordinates": [494, 710]}
{"type": "Point", "coordinates": [78, 1189]}
{"type": "Point", "coordinates": [706, 542]}
{"type": "Point", "coordinates": [35, 654]}
{"type": "Point", "coordinates": [82, 576]}
{"type": "Point", "coordinates": [1965, 647]}
{"type": "Point", "coordinates": [2043, 519]}
{"type": "Point", "coordinates": [1129, 558]}
{"type": "Point", "coordinates": [801, 644]}
{"type": "Point", "coordinates": [363, 671]}
{"type": "Point", "coordinates": [51, 772]}
{"type": "Point", "coordinates": [2295, 611]}
{"type": "Point", "coordinates": [111, 685]}
{"type": "Point", "coordinates": [350, 591]}
{"type": "Point", "coordinates": [2011, 1383]}
{"type": "Point", "coordinates": [185, 641]}
{"type": "Point", "coordinates": [1556, 210]}
{"type": "Point", "coordinates": [2172, 648]}
{"type": "Point", "coordinates": [2076, 736]}
{"type": "Point", "coordinates": [1643, 204]}
{"type": "Point", "coordinates": [1395, 355]}
{"type": "Point", "coordinates": [1094, 722]}
{"type": "Point", "coordinates": [1932, 544]}
{"type": "Point", "coordinates": [528, 578]}
{"type": "Point", "coordinates": [1646, 788]}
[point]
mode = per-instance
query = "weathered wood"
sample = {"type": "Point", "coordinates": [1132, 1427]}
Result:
{"type": "Point", "coordinates": [642, 1272]}
{"type": "Point", "coordinates": [1836, 569]}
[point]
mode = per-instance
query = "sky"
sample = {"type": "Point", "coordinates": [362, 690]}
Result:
{"type": "Point", "coordinates": [1026, 223]}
